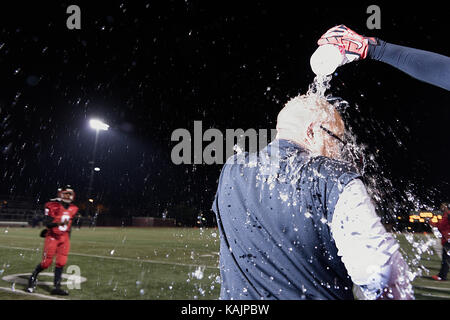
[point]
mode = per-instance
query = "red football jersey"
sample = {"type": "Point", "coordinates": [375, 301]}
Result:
{"type": "Point", "coordinates": [57, 211]}
{"type": "Point", "coordinates": [444, 227]}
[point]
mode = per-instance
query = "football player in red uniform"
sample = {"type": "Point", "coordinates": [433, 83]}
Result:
{"type": "Point", "coordinates": [443, 226]}
{"type": "Point", "coordinates": [59, 214]}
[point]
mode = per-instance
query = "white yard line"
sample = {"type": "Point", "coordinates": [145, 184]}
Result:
{"type": "Point", "coordinates": [120, 258]}
{"type": "Point", "coordinates": [433, 295]}
{"type": "Point", "coordinates": [30, 294]}
{"type": "Point", "coordinates": [433, 288]}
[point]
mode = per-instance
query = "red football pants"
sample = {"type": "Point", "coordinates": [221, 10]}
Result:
{"type": "Point", "coordinates": [58, 247]}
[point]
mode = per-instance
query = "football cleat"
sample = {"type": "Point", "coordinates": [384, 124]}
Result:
{"type": "Point", "coordinates": [437, 278]}
{"type": "Point", "coordinates": [31, 284]}
{"type": "Point", "coordinates": [59, 292]}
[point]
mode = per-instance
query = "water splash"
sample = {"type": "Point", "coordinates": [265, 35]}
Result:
{"type": "Point", "coordinates": [319, 86]}
{"type": "Point", "coordinates": [198, 273]}
{"type": "Point", "coordinates": [390, 199]}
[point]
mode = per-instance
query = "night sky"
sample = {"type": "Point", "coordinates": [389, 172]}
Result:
{"type": "Point", "coordinates": [147, 68]}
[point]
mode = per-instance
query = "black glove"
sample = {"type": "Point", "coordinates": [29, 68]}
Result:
{"type": "Point", "coordinates": [43, 233]}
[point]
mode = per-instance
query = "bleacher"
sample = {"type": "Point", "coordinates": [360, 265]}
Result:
{"type": "Point", "coordinates": [18, 211]}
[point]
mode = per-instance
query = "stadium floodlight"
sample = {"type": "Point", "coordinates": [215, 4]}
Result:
{"type": "Point", "coordinates": [98, 125]}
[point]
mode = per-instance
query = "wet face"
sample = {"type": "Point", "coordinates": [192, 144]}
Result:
{"type": "Point", "coordinates": [333, 144]}
{"type": "Point", "coordinates": [331, 137]}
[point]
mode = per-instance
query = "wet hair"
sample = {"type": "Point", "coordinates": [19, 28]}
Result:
{"type": "Point", "coordinates": [299, 112]}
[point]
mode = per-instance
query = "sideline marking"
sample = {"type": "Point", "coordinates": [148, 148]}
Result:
{"type": "Point", "coordinates": [433, 296]}
{"type": "Point", "coordinates": [16, 278]}
{"type": "Point", "coordinates": [119, 258]}
{"type": "Point", "coordinates": [433, 288]}
{"type": "Point", "coordinates": [18, 291]}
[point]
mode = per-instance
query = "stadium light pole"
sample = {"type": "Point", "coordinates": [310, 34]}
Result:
{"type": "Point", "coordinates": [98, 126]}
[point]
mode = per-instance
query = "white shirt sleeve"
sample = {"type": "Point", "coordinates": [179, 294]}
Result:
{"type": "Point", "coordinates": [370, 254]}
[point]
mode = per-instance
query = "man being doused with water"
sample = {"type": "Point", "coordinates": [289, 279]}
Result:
{"type": "Point", "coordinates": [296, 222]}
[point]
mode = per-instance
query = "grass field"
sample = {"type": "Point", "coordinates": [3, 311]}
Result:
{"type": "Point", "coordinates": [153, 264]}
{"type": "Point", "coordinates": [123, 263]}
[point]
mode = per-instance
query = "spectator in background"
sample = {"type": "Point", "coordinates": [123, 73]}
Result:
{"type": "Point", "coordinates": [35, 219]}
{"type": "Point", "coordinates": [443, 226]}
{"type": "Point", "coordinates": [78, 220]}
{"type": "Point", "coordinates": [89, 219]}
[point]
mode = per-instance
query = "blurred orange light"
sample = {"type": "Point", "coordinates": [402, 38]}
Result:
{"type": "Point", "coordinates": [426, 214]}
